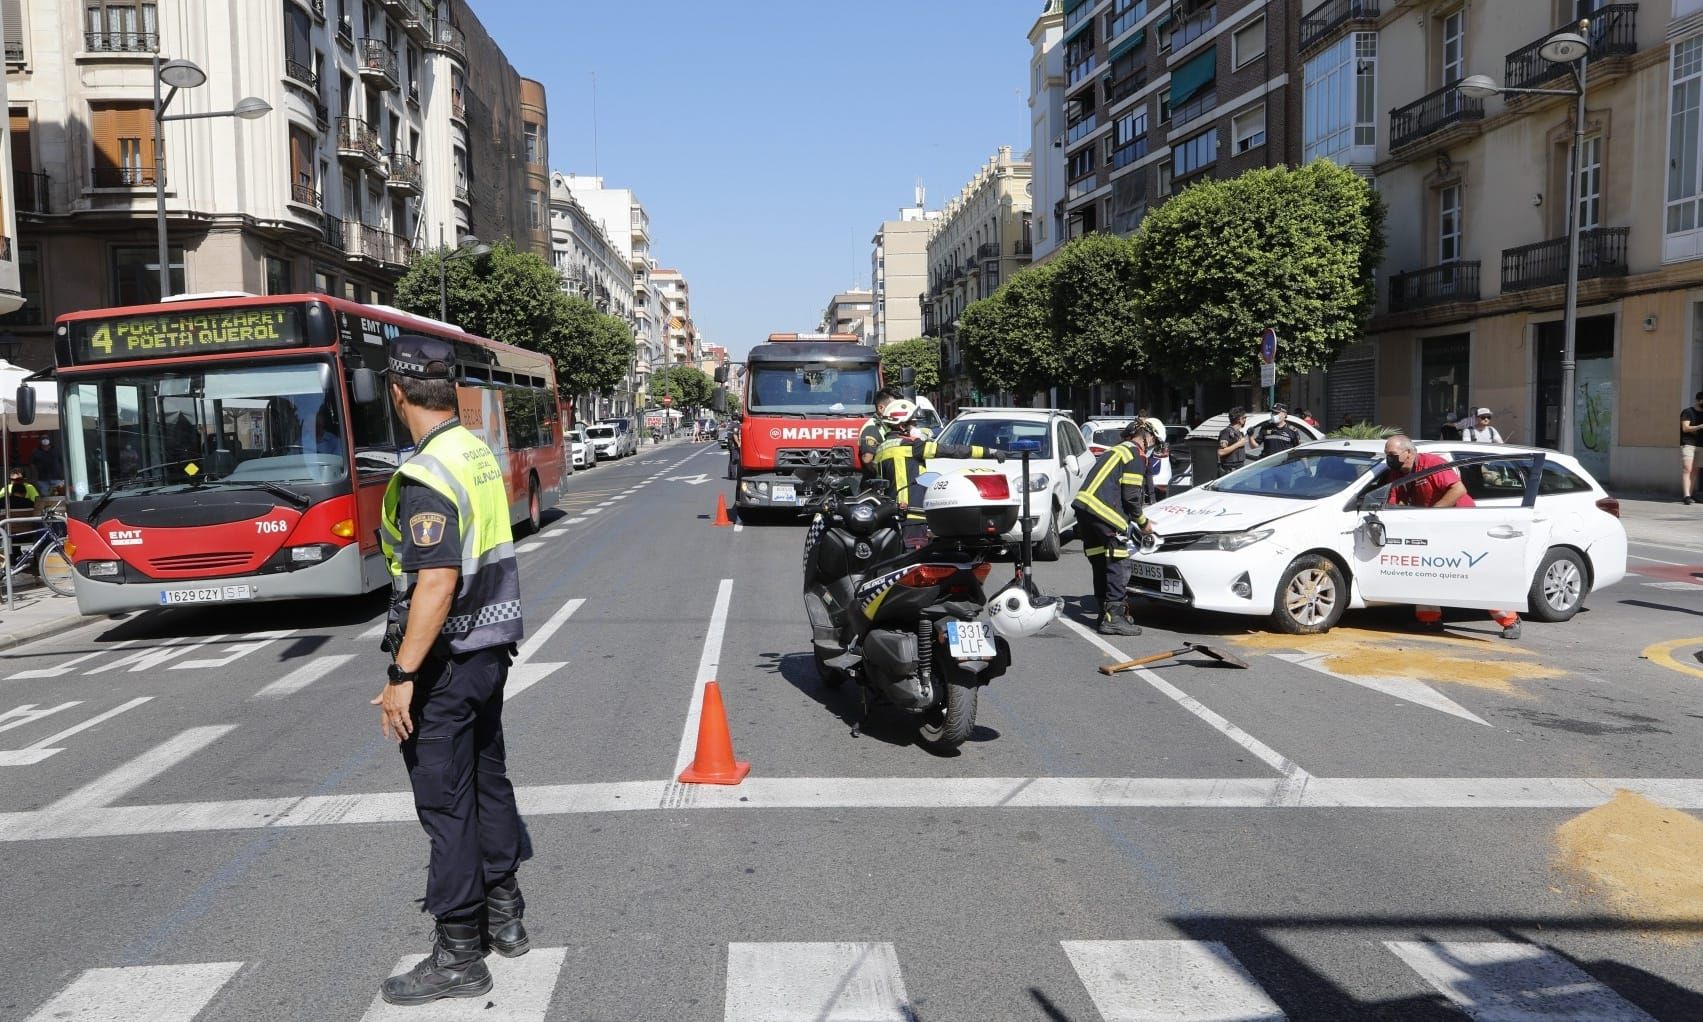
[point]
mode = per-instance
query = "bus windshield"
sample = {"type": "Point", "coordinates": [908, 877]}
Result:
{"type": "Point", "coordinates": [241, 425]}
{"type": "Point", "coordinates": [812, 390]}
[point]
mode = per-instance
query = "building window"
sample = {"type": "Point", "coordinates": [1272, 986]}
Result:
{"type": "Point", "coordinates": [303, 189]}
{"type": "Point", "coordinates": [1248, 128]}
{"type": "Point", "coordinates": [1339, 108]}
{"type": "Point", "coordinates": [1248, 43]}
{"type": "Point", "coordinates": [1454, 47]}
{"type": "Point", "coordinates": [1590, 183]}
{"type": "Point", "coordinates": [535, 211]}
{"type": "Point", "coordinates": [534, 143]}
{"type": "Point", "coordinates": [1445, 365]}
{"type": "Point", "coordinates": [34, 310]}
{"type": "Point", "coordinates": [1193, 154]}
{"type": "Point", "coordinates": [136, 274]}
{"type": "Point", "coordinates": [1449, 224]}
{"type": "Point", "coordinates": [279, 280]}
{"type": "Point", "coordinates": [1686, 113]}
{"type": "Point", "coordinates": [123, 136]}
{"type": "Point", "coordinates": [324, 283]}
{"type": "Point", "coordinates": [121, 26]}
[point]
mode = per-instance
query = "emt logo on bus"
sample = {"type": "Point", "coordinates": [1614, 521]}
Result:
{"type": "Point", "coordinates": [209, 330]}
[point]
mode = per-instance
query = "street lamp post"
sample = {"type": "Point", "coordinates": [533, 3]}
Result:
{"type": "Point", "coordinates": [1574, 50]}
{"type": "Point", "coordinates": [468, 247]}
{"type": "Point", "coordinates": [182, 74]}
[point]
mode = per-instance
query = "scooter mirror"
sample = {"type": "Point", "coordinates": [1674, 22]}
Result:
{"type": "Point", "coordinates": [928, 479]}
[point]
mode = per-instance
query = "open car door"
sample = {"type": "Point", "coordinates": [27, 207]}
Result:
{"type": "Point", "coordinates": [1478, 557]}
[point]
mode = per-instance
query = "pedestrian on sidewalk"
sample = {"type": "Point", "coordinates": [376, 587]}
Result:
{"type": "Point", "coordinates": [1479, 430]}
{"type": "Point", "coordinates": [1233, 442]}
{"type": "Point", "coordinates": [455, 621]}
{"type": "Point", "coordinates": [1690, 424]}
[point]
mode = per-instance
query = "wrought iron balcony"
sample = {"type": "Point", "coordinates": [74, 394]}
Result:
{"type": "Point", "coordinates": [301, 73]}
{"type": "Point", "coordinates": [374, 244]}
{"type": "Point", "coordinates": [458, 107]}
{"type": "Point", "coordinates": [1324, 21]}
{"type": "Point", "coordinates": [123, 177]}
{"type": "Point", "coordinates": [1434, 285]}
{"type": "Point", "coordinates": [1431, 114]}
{"type": "Point", "coordinates": [418, 20]}
{"type": "Point", "coordinates": [31, 192]}
{"type": "Point", "coordinates": [304, 195]}
{"type": "Point", "coordinates": [404, 174]}
{"type": "Point", "coordinates": [988, 250]}
{"type": "Point", "coordinates": [378, 64]}
{"type": "Point", "coordinates": [1025, 247]}
{"type": "Point", "coordinates": [1602, 253]}
{"type": "Point", "coordinates": [121, 42]}
{"type": "Point", "coordinates": [1614, 31]}
{"type": "Point", "coordinates": [448, 39]}
{"type": "Point", "coordinates": [333, 227]}
{"type": "Point", "coordinates": [462, 194]}
{"type": "Point", "coordinates": [358, 142]}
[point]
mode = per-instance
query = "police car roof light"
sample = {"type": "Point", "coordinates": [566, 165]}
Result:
{"type": "Point", "coordinates": [1019, 446]}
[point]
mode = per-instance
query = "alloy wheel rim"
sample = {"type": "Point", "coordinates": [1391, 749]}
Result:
{"type": "Point", "coordinates": [1561, 585]}
{"type": "Point", "coordinates": [1311, 596]}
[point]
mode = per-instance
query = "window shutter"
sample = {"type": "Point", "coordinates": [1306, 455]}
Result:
{"type": "Point", "coordinates": [301, 158]}
{"type": "Point", "coordinates": [23, 159]}
{"type": "Point", "coordinates": [105, 124]}
{"type": "Point", "coordinates": [12, 17]}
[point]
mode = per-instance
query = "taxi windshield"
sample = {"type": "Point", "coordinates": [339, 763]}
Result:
{"type": "Point", "coordinates": [1300, 474]}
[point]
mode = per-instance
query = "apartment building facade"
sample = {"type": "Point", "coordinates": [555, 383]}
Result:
{"type": "Point", "coordinates": [1158, 94]}
{"type": "Point", "coordinates": [983, 236]}
{"type": "Point", "coordinates": [898, 267]}
{"type": "Point", "coordinates": [1472, 288]}
{"type": "Point", "coordinates": [626, 224]}
{"type": "Point", "coordinates": [393, 125]}
{"type": "Point", "coordinates": [1046, 128]}
{"type": "Point", "coordinates": [679, 334]}
{"type": "Point", "coordinates": [11, 286]}
{"type": "Point", "coordinates": [851, 312]}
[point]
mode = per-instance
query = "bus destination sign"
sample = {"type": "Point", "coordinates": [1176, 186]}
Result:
{"type": "Point", "coordinates": [201, 332]}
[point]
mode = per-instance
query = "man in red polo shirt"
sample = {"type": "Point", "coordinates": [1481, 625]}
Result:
{"type": "Point", "coordinates": [1439, 489]}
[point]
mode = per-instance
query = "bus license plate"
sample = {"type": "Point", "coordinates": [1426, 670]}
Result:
{"type": "Point", "coordinates": [970, 640]}
{"type": "Point", "coordinates": [780, 494]}
{"type": "Point", "coordinates": [211, 594]}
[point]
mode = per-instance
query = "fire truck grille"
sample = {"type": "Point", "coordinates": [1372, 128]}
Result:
{"type": "Point", "coordinates": [814, 457]}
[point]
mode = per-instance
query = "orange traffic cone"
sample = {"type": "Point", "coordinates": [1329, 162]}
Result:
{"type": "Point", "coordinates": [721, 518]}
{"type": "Point", "coordinates": [714, 763]}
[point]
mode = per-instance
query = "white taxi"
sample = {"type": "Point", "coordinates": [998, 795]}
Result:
{"type": "Point", "coordinates": [1303, 536]}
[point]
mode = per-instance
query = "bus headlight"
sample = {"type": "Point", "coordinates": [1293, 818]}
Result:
{"type": "Point", "coordinates": [99, 569]}
{"type": "Point", "coordinates": [307, 554]}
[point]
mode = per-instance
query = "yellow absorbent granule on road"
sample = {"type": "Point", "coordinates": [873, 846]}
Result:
{"type": "Point", "coordinates": [1452, 660]}
{"type": "Point", "coordinates": [1641, 859]}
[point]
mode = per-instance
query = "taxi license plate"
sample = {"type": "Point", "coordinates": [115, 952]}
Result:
{"type": "Point", "coordinates": [783, 494]}
{"type": "Point", "coordinates": [970, 640]}
{"type": "Point", "coordinates": [210, 594]}
{"type": "Point", "coordinates": [1149, 571]}
{"type": "Point", "coordinates": [1171, 586]}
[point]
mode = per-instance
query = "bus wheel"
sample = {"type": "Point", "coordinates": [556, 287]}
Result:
{"type": "Point", "coordinates": [534, 506]}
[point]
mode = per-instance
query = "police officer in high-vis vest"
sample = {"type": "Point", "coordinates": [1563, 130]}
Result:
{"type": "Point", "coordinates": [1109, 510]}
{"type": "Point", "coordinates": [455, 622]}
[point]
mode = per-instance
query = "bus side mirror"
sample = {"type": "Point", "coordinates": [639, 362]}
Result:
{"type": "Point", "coordinates": [364, 382]}
{"type": "Point", "coordinates": [721, 374]}
{"type": "Point", "coordinates": [907, 376]}
{"type": "Point", "coordinates": [26, 404]}
{"type": "Point", "coordinates": [718, 399]}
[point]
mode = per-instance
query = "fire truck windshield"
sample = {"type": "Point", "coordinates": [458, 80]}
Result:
{"type": "Point", "coordinates": [255, 425]}
{"type": "Point", "coordinates": [812, 390]}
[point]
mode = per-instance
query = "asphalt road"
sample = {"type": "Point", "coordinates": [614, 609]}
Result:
{"type": "Point", "coordinates": [199, 819]}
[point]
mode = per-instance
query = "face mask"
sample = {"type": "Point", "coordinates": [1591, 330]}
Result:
{"type": "Point", "coordinates": [1394, 461]}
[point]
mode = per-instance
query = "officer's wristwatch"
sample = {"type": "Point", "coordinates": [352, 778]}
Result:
{"type": "Point", "coordinates": [398, 675]}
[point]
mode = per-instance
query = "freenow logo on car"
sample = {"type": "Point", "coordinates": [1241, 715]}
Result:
{"type": "Point", "coordinates": [1464, 560]}
{"type": "Point", "coordinates": [124, 537]}
{"type": "Point", "coordinates": [813, 433]}
{"type": "Point", "coordinates": [1197, 512]}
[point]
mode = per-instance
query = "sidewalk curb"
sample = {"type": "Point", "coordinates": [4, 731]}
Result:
{"type": "Point", "coordinates": [44, 630]}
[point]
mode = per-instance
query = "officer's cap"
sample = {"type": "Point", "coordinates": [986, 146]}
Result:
{"type": "Point", "coordinates": [424, 358]}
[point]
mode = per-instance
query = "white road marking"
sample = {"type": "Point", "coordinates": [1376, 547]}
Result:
{"type": "Point", "coordinates": [1409, 689]}
{"type": "Point", "coordinates": [1654, 560]}
{"type": "Point", "coordinates": [528, 546]}
{"type": "Point", "coordinates": [114, 785]}
{"type": "Point", "coordinates": [520, 992]}
{"type": "Point", "coordinates": [236, 652]}
{"type": "Point", "coordinates": [303, 676]}
{"type": "Point", "coordinates": [524, 673]}
{"type": "Point", "coordinates": [537, 640]}
{"type": "Point", "coordinates": [148, 659]}
{"type": "Point", "coordinates": [590, 511]}
{"type": "Point", "coordinates": [698, 480]}
{"type": "Point", "coordinates": [782, 982]}
{"type": "Point", "coordinates": [708, 662]}
{"type": "Point", "coordinates": [376, 631]}
{"type": "Point", "coordinates": [65, 668]}
{"type": "Point", "coordinates": [575, 521]}
{"type": "Point", "coordinates": [738, 526]}
{"type": "Point", "coordinates": [1505, 981]}
{"type": "Point", "coordinates": [35, 752]}
{"type": "Point", "coordinates": [838, 793]}
{"type": "Point", "coordinates": [1168, 981]}
{"type": "Point", "coordinates": [140, 993]}
{"type": "Point", "coordinates": [1675, 587]}
{"type": "Point", "coordinates": [1271, 757]}
{"type": "Point", "coordinates": [18, 716]}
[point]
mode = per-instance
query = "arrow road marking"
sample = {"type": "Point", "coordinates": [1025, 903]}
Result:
{"type": "Point", "coordinates": [1410, 689]}
{"type": "Point", "coordinates": [696, 480]}
{"type": "Point", "coordinates": [35, 752]}
{"type": "Point", "coordinates": [65, 668]}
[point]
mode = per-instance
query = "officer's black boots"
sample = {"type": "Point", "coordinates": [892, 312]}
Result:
{"type": "Point", "coordinates": [455, 968]}
{"type": "Point", "coordinates": [505, 933]}
{"type": "Point", "coordinates": [1115, 621]}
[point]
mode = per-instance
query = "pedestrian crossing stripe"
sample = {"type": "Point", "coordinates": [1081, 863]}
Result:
{"type": "Point", "coordinates": [1125, 980]}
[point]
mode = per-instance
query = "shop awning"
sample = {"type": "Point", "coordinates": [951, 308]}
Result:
{"type": "Point", "coordinates": [1128, 46]}
{"type": "Point", "coordinates": [1192, 77]}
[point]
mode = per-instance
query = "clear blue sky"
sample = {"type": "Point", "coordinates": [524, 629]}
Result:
{"type": "Point", "coordinates": [769, 139]}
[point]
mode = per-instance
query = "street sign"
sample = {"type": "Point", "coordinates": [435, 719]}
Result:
{"type": "Point", "coordinates": [667, 401]}
{"type": "Point", "coordinates": [1268, 375]}
{"type": "Point", "coordinates": [1268, 347]}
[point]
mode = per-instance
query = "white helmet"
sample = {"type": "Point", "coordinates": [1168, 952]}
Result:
{"type": "Point", "coordinates": [1017, 611]}
{"type": "Point", "coordinates": [897, 413]}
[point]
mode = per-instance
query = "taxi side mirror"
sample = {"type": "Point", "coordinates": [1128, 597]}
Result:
{"type": "Point", "coordinates": [1375, 531]}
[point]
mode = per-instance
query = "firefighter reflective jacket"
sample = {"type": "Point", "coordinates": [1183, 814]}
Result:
{"type": "Point", "coordinates": [900, 461]}
{"type": "Point", "coordinates": [1114, 490]}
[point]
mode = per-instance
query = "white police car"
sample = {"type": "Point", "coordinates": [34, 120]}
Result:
{"type": "Point", "coordinates": [1302, 536]}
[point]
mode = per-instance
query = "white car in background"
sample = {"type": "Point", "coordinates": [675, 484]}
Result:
{"type": "Point", "coordinates": [1304, 535]}
{"type": "Point", "coordinates": [1101, 435]}
{"type": "Point", "coordinates": [1183, 478]}
{"type": "Point", "coordinates": [580, 452]}
{"type": "Point", "coordinates": [1056, 469]}
{"type": "Point", "coordinates": [626, 439]}
{"type": "Point", "coordinates": [605, 443]}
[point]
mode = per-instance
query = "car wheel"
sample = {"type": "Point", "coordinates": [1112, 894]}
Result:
{"type": "Point", "coordinates": [1047, 548]}
{"type": "Point", "coordinates": [1560, 586]}
{"type": "Point", "coordinates": [1311, 596]}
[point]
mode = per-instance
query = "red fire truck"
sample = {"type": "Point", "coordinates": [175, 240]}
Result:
{"type": "Point", "coordinates": [806, 397]}
{"type": "Point", "coordinates": [236, 449]}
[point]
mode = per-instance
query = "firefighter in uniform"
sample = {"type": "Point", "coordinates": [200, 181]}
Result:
{"type": "Point", "coordinates": [455, 621]}
{"type": "Point", "coordinates": [904, 456]}
{"type": "Point", "coordinates": [1109, 508]}
{"type": "Point", "coordinates": [874, 433]}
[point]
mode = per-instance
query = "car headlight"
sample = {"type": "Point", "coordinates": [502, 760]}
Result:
{"type": "Point", "coordinates": [1039, 481]}
{"type": "Point", "coordinates": [1234, 540]}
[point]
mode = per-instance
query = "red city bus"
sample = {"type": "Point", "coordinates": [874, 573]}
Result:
{"type": "Point", "coordinates": [236, 449]}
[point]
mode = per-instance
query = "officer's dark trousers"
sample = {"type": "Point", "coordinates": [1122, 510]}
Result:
{"type": "Point", "coordinates": [1108, 556]}
{"type": "Point", "coordinates": [458, 769]}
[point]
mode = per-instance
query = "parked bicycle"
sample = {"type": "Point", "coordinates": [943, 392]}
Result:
{"type": "Point", "coordinates": [44, 556]}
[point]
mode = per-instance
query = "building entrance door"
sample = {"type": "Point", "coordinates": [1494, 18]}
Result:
{"type": "Point", "coordinates": [1593, 390]}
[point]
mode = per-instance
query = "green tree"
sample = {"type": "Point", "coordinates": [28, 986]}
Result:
{"type": "Point", "coordinates": [1008, 338]}
{"type": "Point", "coordinates": [517, 298]}
{"type": "Point", "coordinates": [1290, 249]}
{"type": "Point", "coordinates": [687, 385]}
{"type": "Point", "coordinates": [919, 353]}
{"type": "Point", "coordinates": [1095, 311]}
